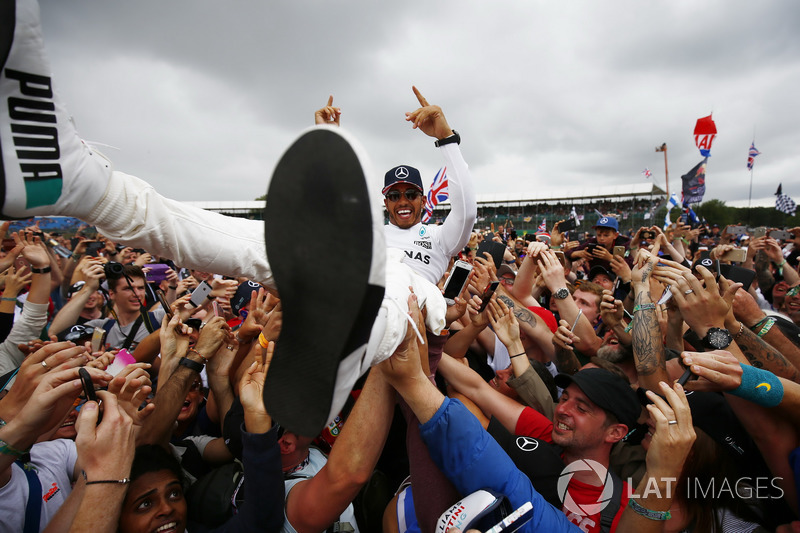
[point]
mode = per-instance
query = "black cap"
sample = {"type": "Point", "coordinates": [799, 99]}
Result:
{"type": "Point", "coordinates": [599, 269]}
{"type": "Point", "coordinates": [242, 296]}
{"type": "Point", "coordinates": [402, 174]}
{"type": "Point", "coordinates": [606, 390]}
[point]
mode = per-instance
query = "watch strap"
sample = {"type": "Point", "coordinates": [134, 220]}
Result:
{"type": "Point", "coordinates": [454, 138]}
{"type": "Point", "coordinates": [191, 365]}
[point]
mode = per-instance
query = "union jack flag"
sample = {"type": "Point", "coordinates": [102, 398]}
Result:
{"type": "Point", "coordinates": [542, 227]}
{"type": "Point", "coordinates": [647, 173]}
{"type": "Point", "coordinates": [436, 194]}
{"type": "Point", "coordinates": [751, 155]}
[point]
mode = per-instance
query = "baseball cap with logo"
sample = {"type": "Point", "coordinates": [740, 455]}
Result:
{"type": "Point", "coordinates": [607, 222]}
{"type": "Point", "coordinates": [607, 390]}
{"type": "Point", "coordinates": [402, 174]}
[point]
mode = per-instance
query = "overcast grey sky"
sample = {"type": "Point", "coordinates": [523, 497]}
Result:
{"type": "Point", "coordinates": [201, 97]}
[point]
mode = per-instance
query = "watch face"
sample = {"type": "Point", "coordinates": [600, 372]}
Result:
{"type": "Point", "coordinates": [561, 293]}
{"type": "Point", "coordinates": [718, 338]}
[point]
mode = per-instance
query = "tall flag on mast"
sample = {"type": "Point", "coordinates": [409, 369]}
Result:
{"type": "Point", "coordinates": [704, 132]}
{"type": "Point", "coordinates": [751, 155]}
{"type": "Point", "coordinates": [694, 183]}
{"type": "Point", "coordinates": [436, 194]}
{"type": "Point", "coordinates": [783, 203]}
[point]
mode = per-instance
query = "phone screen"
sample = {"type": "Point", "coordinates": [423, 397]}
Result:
{"type": "Point", "coordinates": [487, 295]}
{"type": "Point", "coordinates": [455, 283]}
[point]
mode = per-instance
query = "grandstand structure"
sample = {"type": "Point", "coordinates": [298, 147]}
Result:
{"type": "Point", "coordinates": [633, 204]}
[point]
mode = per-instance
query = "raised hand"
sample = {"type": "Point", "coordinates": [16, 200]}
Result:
{"type": "Point", "coordinates": [329, 114]}
{"type": "Point", "coordinates": [429, 118]}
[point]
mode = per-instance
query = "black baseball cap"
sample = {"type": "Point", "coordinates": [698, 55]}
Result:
{"type": "Point", "coordinates": [608, 391]}
{"type": "Point", "coordinates": [600, 269]}
{"type": "Point", "coordinates": [402, 174]}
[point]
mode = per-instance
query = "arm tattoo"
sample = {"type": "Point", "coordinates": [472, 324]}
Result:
{"type": "Point", "coordinates": [522, 314]}
{"type": "Point", "coordinates": [762, 355]}
{"type": "Point", "coordinates": [646, 339]}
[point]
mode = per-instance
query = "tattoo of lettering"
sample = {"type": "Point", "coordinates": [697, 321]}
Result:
{"type": "Point", "coordinates": [646, 338]}
{"type": "Point", "coordinates": [522, 314]}
{"type": "Point", "coordinates": [763, 355]}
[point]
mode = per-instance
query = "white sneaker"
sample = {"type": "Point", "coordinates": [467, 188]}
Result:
{"type": "Point", "coordinates": [46, 168]}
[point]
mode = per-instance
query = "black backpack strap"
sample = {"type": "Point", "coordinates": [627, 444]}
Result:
{"type": "Point", "coordinates": [33, 509]}
{"type": "Point", "coordinates": [132, 333]}
{"type": "Point", "coordinates": [610, 511]}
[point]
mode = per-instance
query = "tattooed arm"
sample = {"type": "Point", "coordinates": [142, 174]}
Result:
{"type": "Point", "coordinates": [648, 349]}
{"type": "Point", "coordinates": [759, 353]}
{"type": "Point", "coordinates": [533, 328]}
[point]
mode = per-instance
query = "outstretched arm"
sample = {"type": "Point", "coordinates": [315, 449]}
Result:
{"type": "Point", "coordinates": [456, 229]}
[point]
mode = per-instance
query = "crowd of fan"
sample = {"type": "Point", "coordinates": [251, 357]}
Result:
{"type": "Point", "coordinates": [567, 306]}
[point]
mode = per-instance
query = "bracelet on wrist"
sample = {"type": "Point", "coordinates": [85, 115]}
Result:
{"type": "Point", "coordinates": [8, 299]}
{"type": "Point", "coordinates": [201, 356]}
{"type": "Point", "coordinates": [44, 270]}
{"type": "Point", "coordinates": [517, 355]}
{"type": "Point", "coordinates": [643, 307]}
{"type": "Point", "coordinates": [191, 365]}
{"type": "Point", "coordinates": [7, 449]}
{"type": "Point", "coordinates": [172, 287]}
{"type": "Point", "coordinates": [648, 513]}
{"type": "Point", "coordinates": [123, 481]}
{"type": "Point", "coordinates": [262, 340]}
{"type": "Point", "coordinates": [766, 327]}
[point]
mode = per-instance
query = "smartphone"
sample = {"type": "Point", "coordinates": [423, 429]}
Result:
{"type": "Point", "coordinates": [98, 339]}
{"type": "Point", "coordinates": [456, 281]}
{"type": "Point", "coordinates": [737, 255]}
{"type": "Point", "coordinates": [619, 251]}
{"type": "Point", "coordinates": [647, 234]}
{"type": "Point", "coordinates": [93, 247]}
{"type": "Point", "coordinates": [530, 237]}
{"type": "Point", "coordinates": [164, 305]}
{"type": "Point", "coordinates": [737, 274]}
{"type": "Point", "coordinates": [200, 294]}
{"type": "Point", "coordinates": [487, 295]}
{"type": "Point", "coordinates": [591, 248]}
{"type": "Point", "coordinates": [759, 232]}
{"type": "Point", "coordinates": [561, 258]}
{"type": "Point", "coordinates": [156, 272]}
{"type": "Point", "coordinates": [88, 390]}
{"type": "Point", "coordinates": [687, 374]}
{"type": "Point", "coordinates": [515, 520]}
{"type": "Point", "coordinates": [496, 249]}
{"type": "Point", "coordinates": [736, 230]}
{"type": "Point", "coordinates": [215, 308]}
{"type": "Point", "coordinates": [780, 235]}
{"type": "Point", "coordinates": [568, 225]}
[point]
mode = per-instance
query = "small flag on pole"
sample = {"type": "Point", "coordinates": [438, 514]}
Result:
{"type": "Point", "coordinates": [542, 227]}
{"type": "Point", "coordinates": [751, 155]}
{"type": "Point", "coordinates": [783, 203]}
{"type": "Point", "coordinates": [436, 194]}
{"type": "Point", "coordinates": [647, 173]}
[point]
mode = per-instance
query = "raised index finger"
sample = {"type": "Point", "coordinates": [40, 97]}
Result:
{"type": "Point", "coordinates": [422, 101]}
{"type": "Point", "coordinates": [330, 100]}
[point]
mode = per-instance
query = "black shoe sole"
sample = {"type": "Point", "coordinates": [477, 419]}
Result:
{"type": "Point", "coordinates": [318, 233]}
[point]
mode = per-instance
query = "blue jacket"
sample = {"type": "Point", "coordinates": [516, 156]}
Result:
{"type": "Point", "coordinates": [472, 460]}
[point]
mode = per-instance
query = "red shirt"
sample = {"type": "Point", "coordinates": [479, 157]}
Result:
{"type": "Point", "coordinates": [532, 423]}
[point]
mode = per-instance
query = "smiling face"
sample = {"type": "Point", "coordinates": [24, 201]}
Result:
{"type": "Point", "coordinates": [125, 298]}
{"type": "Point", "coordinates": [154, 504]}
{"type": "Point", "coordinates": [404, 212]}
{"type": "Point", "coordinates": [791, 304]}
{"type": "Point", "coordinates": [579, 424]}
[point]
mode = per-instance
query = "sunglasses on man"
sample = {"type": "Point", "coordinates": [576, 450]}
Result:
{"type": "Point", "coordinates": [410, 194]}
